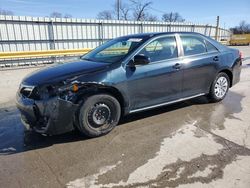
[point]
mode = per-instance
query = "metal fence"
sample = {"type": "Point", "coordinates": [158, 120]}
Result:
{"type": "Point", "coordinates": [21, 33]}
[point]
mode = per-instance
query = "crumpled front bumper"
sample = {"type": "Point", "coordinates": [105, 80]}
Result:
{"type": "Point", "coordinates": [51, 116]}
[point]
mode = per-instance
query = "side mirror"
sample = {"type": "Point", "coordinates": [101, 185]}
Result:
{"type": "Point", "coordinates": [141, 59]}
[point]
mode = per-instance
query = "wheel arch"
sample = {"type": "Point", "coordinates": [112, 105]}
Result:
{"type": "Point", "coordinates": [89, 89]}
{"type": "Point", "coordinates": [229, 74]}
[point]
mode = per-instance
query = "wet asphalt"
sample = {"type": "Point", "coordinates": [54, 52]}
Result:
{"type": "Point", "coordinates": [188, 144]}
{"type": "Point", "coordinates": [16, 139]}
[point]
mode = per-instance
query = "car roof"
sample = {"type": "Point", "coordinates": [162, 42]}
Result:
{"type": "Point", "coordinates": [219, 46]}
{"type": "Point", "coordinates": [152, 34]}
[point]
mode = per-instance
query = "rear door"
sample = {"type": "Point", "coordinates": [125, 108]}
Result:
{"type": "Point", "coordinates": [199, 65]}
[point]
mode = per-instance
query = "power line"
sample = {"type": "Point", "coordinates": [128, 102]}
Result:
{"type": "Point", "coordinates": [157, 10]}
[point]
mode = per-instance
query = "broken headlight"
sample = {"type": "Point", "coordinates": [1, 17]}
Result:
{"type": "Point", "coordinates": [67, 92]}
{"type": "Point", "coordinates": [46, 92]}
{"type": "Point", "coordinates": [71, 87]}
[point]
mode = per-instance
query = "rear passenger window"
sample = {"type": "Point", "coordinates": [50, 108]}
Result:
{"type": "Point", "coordinates": [160, 49]}
{"type": "Point", "coordinates": [193, 45]}
{"type": "Point", "coordinates": [210, 47]}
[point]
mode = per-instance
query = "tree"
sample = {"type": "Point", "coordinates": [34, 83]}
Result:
{"type": "Point", "coordinates": [140, 9]}
{"type": "Point", "coordinates": [60, 15]}
{"type": "Point", "coordinates": [67, 16]}
{"type": "Point", "coordinates": [243, 28]}
{"type": "Point", "coordinates": [172, 17]}
{"type": "Point", "coordinates": [120, 11]}
{"type": "Point", "coordinates": [124, 10]}
{"type": "Point", "coordinates": [6, 12]}
{"type": "Point", "coordinates": [56, 15]}
{"type": "Point", "coordinates": [151, 18]}
{"type": "Point", "coordinates": [135, 10]}
{"type": "Point", "coordinates": [105, 15]}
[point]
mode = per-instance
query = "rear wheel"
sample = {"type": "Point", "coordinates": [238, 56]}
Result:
{"type": "Point", "coordinates": [219, 87]}
{"type": "Point", "coordinates": [98, 115]}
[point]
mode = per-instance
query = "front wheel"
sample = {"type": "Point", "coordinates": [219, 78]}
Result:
{"type": "Point", "coordinates": [98, 115]}
{"type": "Point", "coordinates": [219, 87]}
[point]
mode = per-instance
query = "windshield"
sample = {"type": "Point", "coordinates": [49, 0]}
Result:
{"type": "Point", "coordinates": [114, 50]}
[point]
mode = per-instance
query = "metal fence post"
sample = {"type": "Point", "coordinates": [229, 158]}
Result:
{"type": "Point", "coordinates": [205, 31]}
{"type": "Point", "coordinates": [51, 35]}
{"type": "Point", "coordinates": [169, 27]}
{"type": "Point", "coordinates": [100, 32]}
{"type": "Point", "coordinates": [192, 28]}
{"type": "Point", "coordinates": [210, 30]}
{"type": "Point", "coordinates": [141, 27]}
{"type": "Point", "coordinates": [217, 27]}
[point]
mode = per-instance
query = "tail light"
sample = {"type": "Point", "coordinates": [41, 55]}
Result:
{"type": "Point", "coordinates": [241, 55]}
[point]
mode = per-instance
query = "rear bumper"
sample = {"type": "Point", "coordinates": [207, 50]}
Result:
{"type": "Point", "coordinates": [52, 116]}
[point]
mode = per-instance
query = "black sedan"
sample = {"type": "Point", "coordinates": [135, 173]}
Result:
{"type": "Point", "coordinates": [126, 75]}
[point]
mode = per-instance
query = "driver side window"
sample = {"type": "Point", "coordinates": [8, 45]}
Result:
{"type": "Point", "coordinates": [160, 49]}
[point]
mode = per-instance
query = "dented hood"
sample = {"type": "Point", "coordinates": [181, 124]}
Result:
{"type": "Point", "coordinates": [61, 72]}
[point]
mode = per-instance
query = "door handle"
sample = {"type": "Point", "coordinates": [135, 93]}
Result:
{"type": "Point", "coordinates": [177, 66]}
{"type": "Point", "coordinates": [216, 58]}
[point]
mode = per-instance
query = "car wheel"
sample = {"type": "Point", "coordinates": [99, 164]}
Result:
{"type": "Point", "coordinates": [219, 87]}
{"type": "Point", "coordinates": [98, 115]}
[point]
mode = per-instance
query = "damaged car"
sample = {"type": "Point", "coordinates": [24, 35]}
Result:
{"type": "Point", "coordinates": [126, 75]}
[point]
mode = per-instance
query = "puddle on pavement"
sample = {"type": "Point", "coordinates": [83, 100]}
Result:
{"type": "Point", "coordinates": [212, 116]}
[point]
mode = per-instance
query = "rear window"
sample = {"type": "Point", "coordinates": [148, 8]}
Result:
{"type": "Point", "coordinates": [210, 47]}
{"type": "Point", "coordinates": [193, 45]}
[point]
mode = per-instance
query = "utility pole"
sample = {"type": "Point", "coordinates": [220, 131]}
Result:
{"type": "Point", "coordinates": [118, 9]}
{"type": "Point", "coordinates": [217, 27]}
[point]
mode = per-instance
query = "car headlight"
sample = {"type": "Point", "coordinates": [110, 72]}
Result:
{"type": "Point", "coordinates": [71, 87]}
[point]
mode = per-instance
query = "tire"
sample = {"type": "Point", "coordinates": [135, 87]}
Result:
{"type": "Point", "coordinates": [98, 115]}
{"type": "Point", "coordinates": [219, 87]}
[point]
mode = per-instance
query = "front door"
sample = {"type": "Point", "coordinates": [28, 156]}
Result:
{"type": "Point", "coordinates": [159, 81]}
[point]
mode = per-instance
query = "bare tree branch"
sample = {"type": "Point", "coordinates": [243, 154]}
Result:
{"type": "Point", "coordinates": [56, 15]}
{"type": "Point", "coordinates": [137, 10]}
{"type": "Point", "coordinates": [60, 15]}
{"type": "Point", "coordinates": [172, 17]}
{"type": "Point", "coordinates": [140, 9]}
{"type": "Point", "coordinates": [151, 18]}
{"type": "Point", "coordinates": [67, 16]}
{"type": "Point", "coordinates": [105, 15]}
{"type": "Point", "coordinates": [124, 10]}
{"type": "Point", "coordinates": [6, 12]}
{"type": "Point", "coordinates": [243, 28]}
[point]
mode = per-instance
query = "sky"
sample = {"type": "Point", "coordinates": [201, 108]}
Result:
{"type": "Point", "coordinates": [231, 12]}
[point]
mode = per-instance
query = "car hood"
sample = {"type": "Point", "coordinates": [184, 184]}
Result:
{"type": "Point", "coordinates": [63, 71]}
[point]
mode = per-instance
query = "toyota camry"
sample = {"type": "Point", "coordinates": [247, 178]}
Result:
{"type": "Point", "coordinates": [126, 75]}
